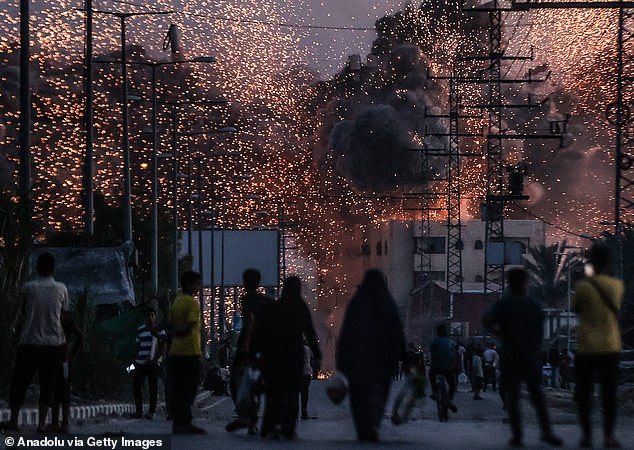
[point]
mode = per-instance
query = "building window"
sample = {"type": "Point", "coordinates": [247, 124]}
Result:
{"type": "Point", "coordinates": [433, 245]}
{"type": "Point", "coordinates": [365, 249]}
{"type": "Point", "coordinates": [477, 245]}
{"type": "Point", "coordinates": [378, 248]}
{"type": "Point", "coordinates": [385, 249]}
{"type": "Point", "coordinates": [479, 279]}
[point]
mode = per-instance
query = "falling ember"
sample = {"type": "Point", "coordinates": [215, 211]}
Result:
{"type": "Point", "coordinates": [327, 155]}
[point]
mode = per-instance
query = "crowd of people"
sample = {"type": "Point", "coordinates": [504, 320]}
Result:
{"type": "Point", "coordinates": [277, 354]}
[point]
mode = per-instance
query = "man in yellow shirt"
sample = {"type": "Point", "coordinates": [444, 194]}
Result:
{"type": "Point", "coordinates": [597, 302]}
{"type": "Point", "coordinates": [184, 354]}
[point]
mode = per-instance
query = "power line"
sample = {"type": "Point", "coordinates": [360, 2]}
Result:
{"type": "Point", "coordinates": [541, 219]}
{"type": "Point", "coordinates": [254, 21]}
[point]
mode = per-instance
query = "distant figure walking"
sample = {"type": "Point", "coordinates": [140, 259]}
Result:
{"type": "Point", "coordinates": [43, 302]}
{"type": "Point", "coordinates": [518, 321]}
{"type": "Point", "coordinates": [443, 361]}
{"type": "Point", "coordinates": [151, 341]}
{"type": "Point", "coordinates": [183, 363]}
{"type": "Point", "coordinates": [285, 324]}
{"type": "Point", "coordinates": [478, 374]}
{"type": "Point", "coordinates": [252, 304]}
{"type": "Point", "coordinates": [597, 302]}
{"type": "Point", "coordinates": [371, 343]}
{"type": "Point", "coordinates": [308, 374]}
{"type": "Point", "coordinates": [491, 363]}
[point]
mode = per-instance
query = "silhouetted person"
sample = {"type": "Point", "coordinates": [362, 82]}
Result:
{"type": "Point", "coordinates": [518, 321]}
{"type": "Point", "coordinates": [597, 302]}
{"type": "Point", "coordinates": [150, 339]}
{"type": "Point", "coordinates": [443, 362]}
{"type": "Point", "coordinates": [307, 375]}
{"type": "Point", "coordinates": [183, 362]}
{"type": "Point", "coordinates": [40, 349]}
{"type": "Point", "coordinates": [478, 374]}
{"type": "Point", "coordinates": [249, 345]}
{"type": "Point", "coordinates": [285, 324]}
{"type": "Point", "coordinates": [371, 343]}
{"type": "Point", "coordinates": [61, 392]}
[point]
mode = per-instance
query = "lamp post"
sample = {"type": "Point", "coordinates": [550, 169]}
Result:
{"type": "Point", "coordinates": [176, 175]}
{"type": "Point", "coordinates": [125, 147]}
{"type": "Point", "coordinates": [154, 65]}
{"type": "Point", "coordinates": [25, 110]}
{"type": "Point", "coordinates": [89, 206]}
{"type": "Point", "coordinates": [200, 215]}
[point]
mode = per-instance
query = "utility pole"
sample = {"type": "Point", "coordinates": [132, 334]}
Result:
{"type": "Point", "coordinates": [494, 231]}
{"type": "Point", "coordinates": [24, 186]}
{"type": "Point", "coordinates": [497, 192]}
{"type": "Point", "coordinates": [618, 113]}
{"type": "Point", "coordinates": [454, 227]}
{"type": "Point", "coordinates": [88, 122]}
{"type": "Point", "coordinates": [423, 246]}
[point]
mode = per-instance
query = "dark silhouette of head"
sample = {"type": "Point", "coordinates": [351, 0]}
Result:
{"type": "Point", "coordinates": [45, 265]}
{"type": "Point", "coordinates": [517, 280]}
{"type": "Point", "coordinates": [190, 282]}
{"type": "Point", "coordinates": [441, 330]}
{"type": "Point", "coordinates": [374, 286]}
{"type": "Point", "coordinates": [292, 288]}
{"type": "Point", "coordinates": [251, 279]}
{"type": "Point", "coordinates": [599, 257]}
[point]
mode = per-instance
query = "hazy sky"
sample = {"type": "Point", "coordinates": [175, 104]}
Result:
{"type": "Point", "coordinates": [328, 49]}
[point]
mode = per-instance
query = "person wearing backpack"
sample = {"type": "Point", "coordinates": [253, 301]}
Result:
{"type": "Point", "coordinates": [597, 302]}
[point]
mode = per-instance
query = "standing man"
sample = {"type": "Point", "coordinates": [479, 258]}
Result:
{"type": "Point", "coordinates": [151, 340]}
{"type": "Point", "coordinates": [285, 325]}
{"type": "Point", "coordinates": [491, 363]}
{"type": "Point", "coordinates": [40, 349]}
{"type": "Point", "coordinates": [518, 321]}
{"type": "Point", "coordinates": [184, 355]}
{"type": "Point", "coordinates": [252, 304]}
{"type": "Point", "coordinates": [597, 302]}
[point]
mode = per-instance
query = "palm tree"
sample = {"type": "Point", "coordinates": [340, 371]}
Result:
{"type": "Point", "coordinates": [547, 266]}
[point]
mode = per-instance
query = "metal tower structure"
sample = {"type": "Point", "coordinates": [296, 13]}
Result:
{"type": "Point", "coordinates": [494, 214]}
{"type": "Point", "coordinates": [619, 113]}
{"type": "Point", "coordinates": [624, 186]}
{"type": "Point", "coordinates": [454, 229]}
{"type": "Point", "coordinates": [497, 192]}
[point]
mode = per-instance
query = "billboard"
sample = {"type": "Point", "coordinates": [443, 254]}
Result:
{"type": "Point", "coordinates": [233, 252]}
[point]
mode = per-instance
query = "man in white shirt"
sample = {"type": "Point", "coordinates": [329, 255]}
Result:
{"type": "Point", "coordinates": [491, 363]}
{"type": "Point", "coordinates": [40, 348]}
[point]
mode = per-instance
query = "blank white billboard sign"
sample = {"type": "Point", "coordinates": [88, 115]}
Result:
{"type": "Point", "coordinates": [239, 250]}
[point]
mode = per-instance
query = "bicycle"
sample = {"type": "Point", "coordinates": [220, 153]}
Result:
{"type": "Point", "coordinates": [442, 398]}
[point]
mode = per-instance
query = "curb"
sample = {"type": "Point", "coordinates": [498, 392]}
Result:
{"type": "Point", "coordinates": [30, 416]}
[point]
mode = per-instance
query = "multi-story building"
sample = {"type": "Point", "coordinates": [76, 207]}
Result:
{"type": "Point", "coordinates": [398, 248]}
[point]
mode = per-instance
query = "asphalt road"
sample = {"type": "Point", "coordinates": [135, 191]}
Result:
{"type": "Point", "coordinates": [477, 425]}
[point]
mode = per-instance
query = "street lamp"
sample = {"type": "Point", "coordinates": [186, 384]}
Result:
{"type": "Point", "coordinates": [127, 187]}
{"type": "Point", "coordinates": [176, 175]}
{"type": "Point", "coordinates": [154, 65]}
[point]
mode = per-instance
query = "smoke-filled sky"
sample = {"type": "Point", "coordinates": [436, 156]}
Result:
{"type": "Point", "coordinates": [327, 50]}
{"type": "Point", "coordinates": [254, 61]}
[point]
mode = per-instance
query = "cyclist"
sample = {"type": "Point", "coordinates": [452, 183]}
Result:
{"type": "Point", "coordinates": [443, 363]}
